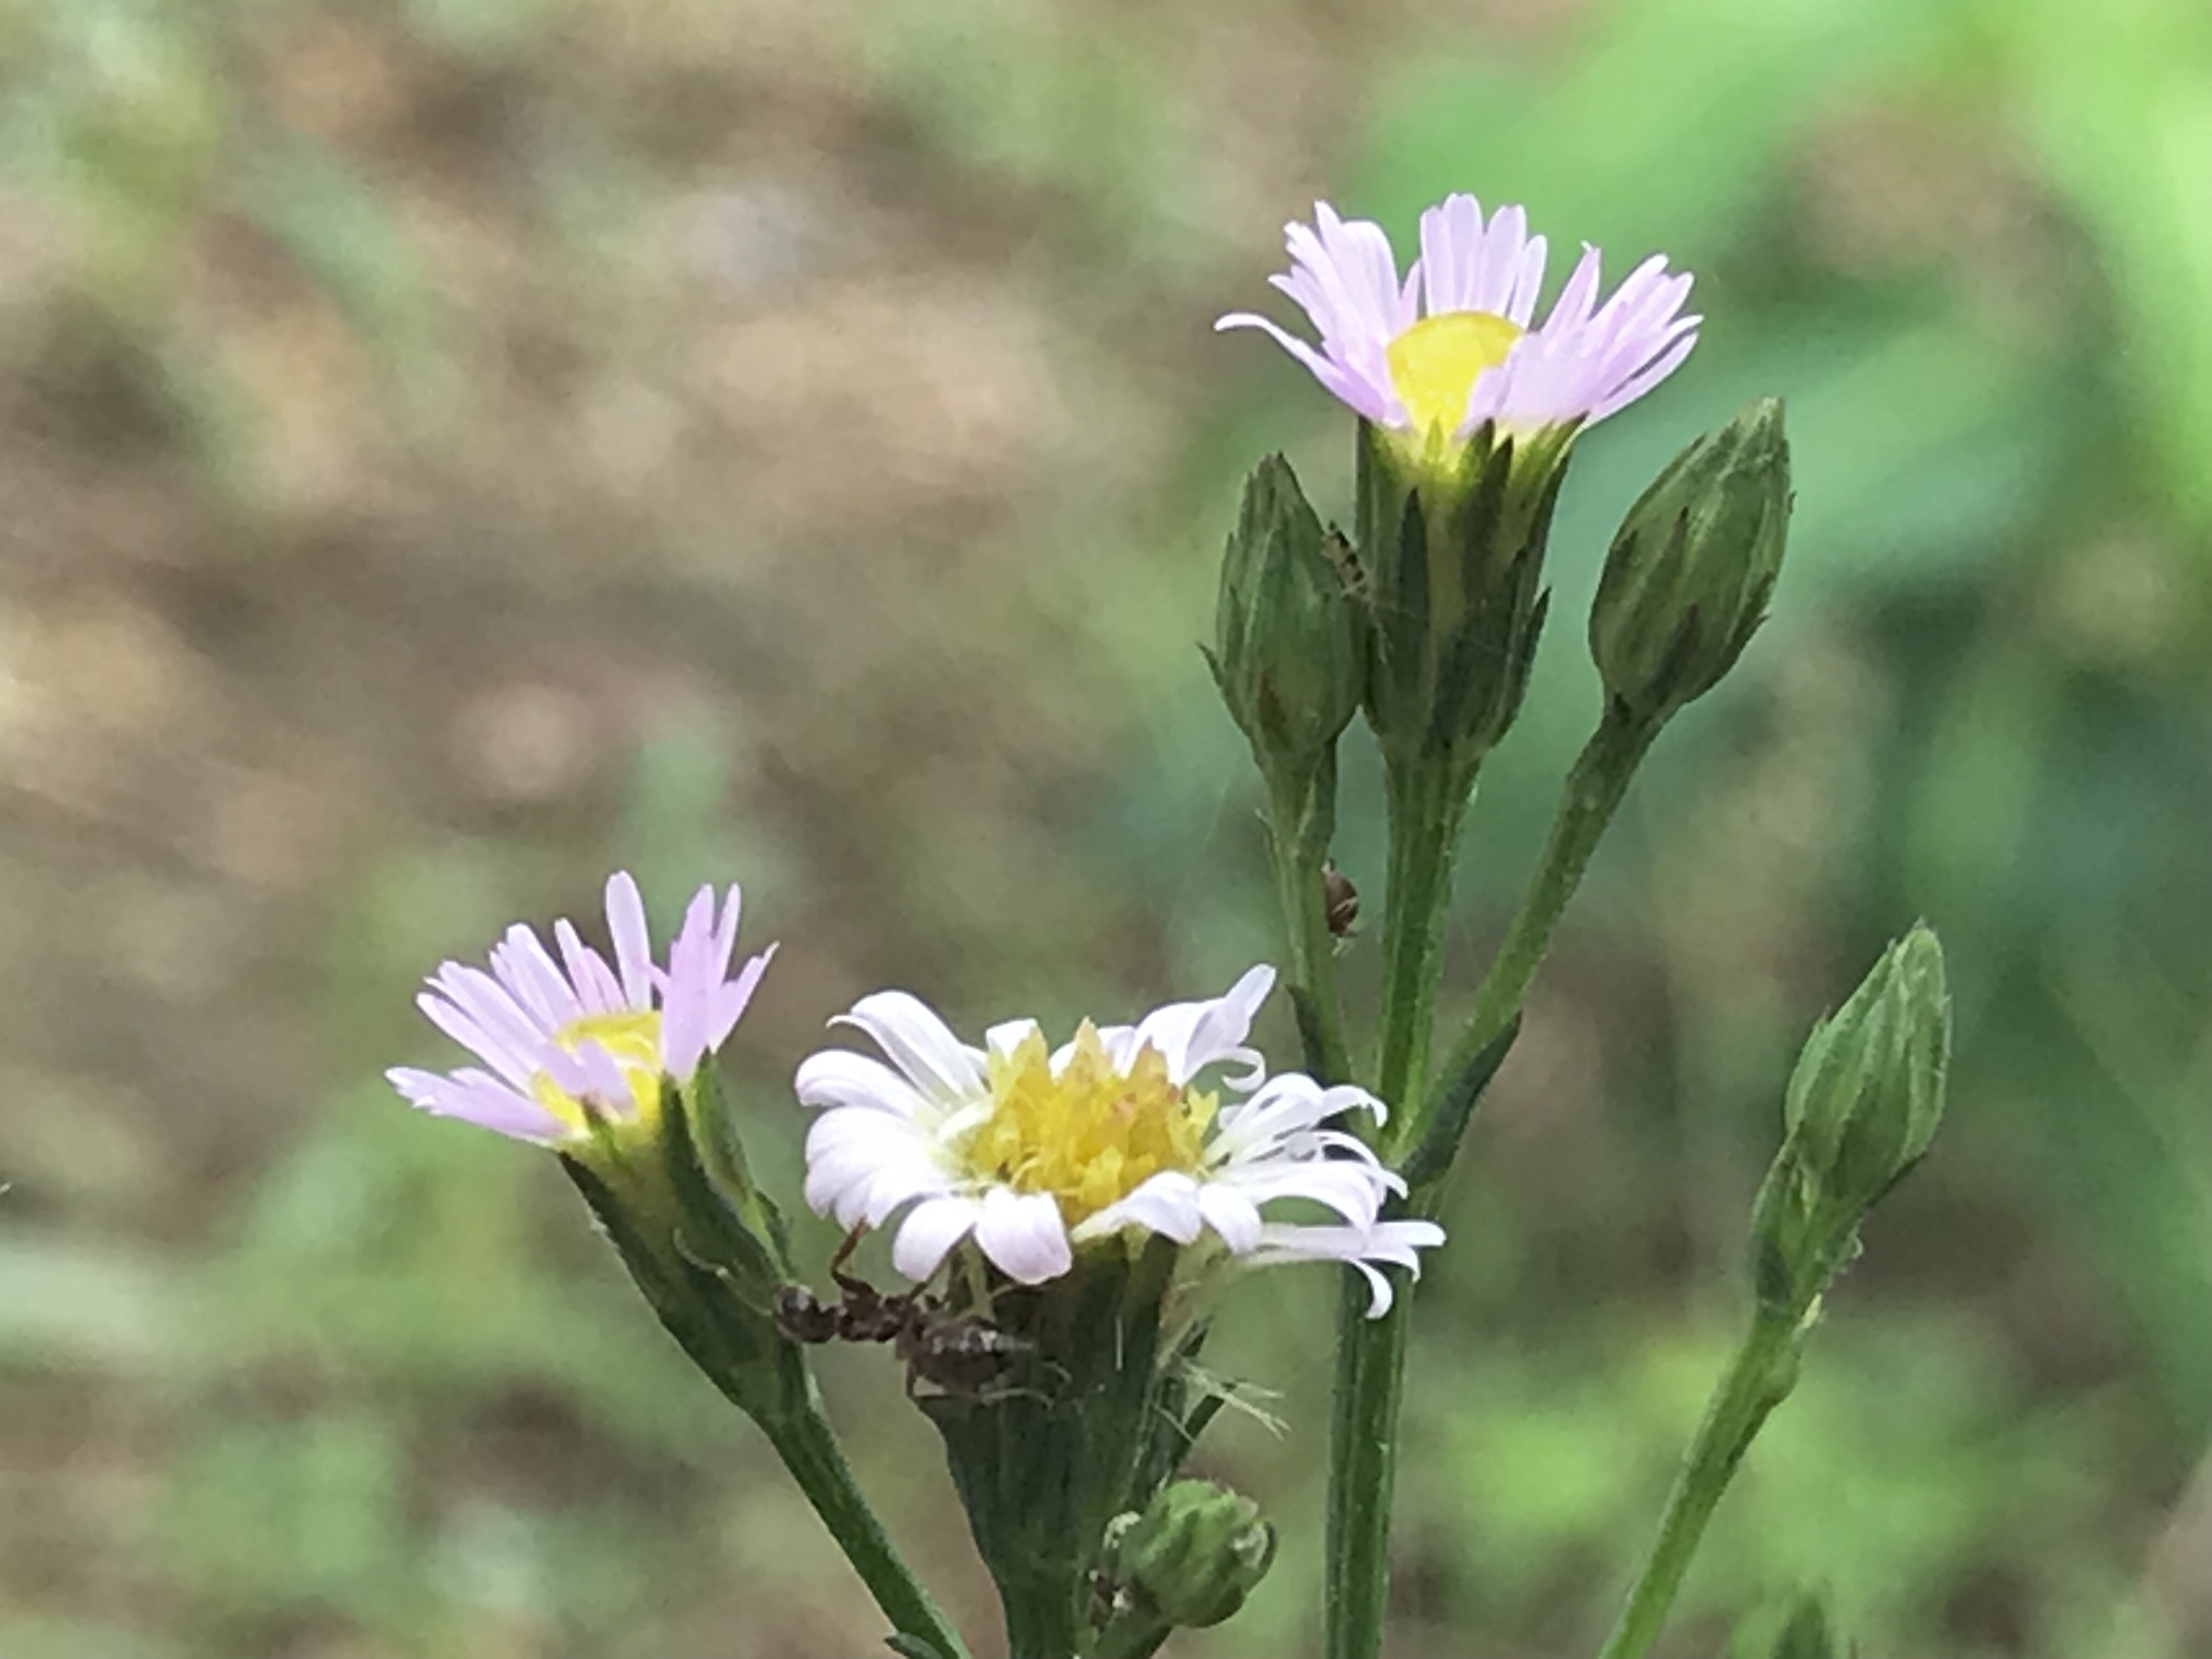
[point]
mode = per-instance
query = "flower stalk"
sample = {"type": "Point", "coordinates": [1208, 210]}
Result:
{"type": "Point", "coordinates": [1428, 800]}
{"type": "Point", "coordinates": [809, 1448]}
{"type": "Point", "coordinates": [1758, 1379]}
{"type": "Point", "coordinates": [1363, 1473]}
{"type": "Point", "coordinates": [1595, 787]}
{"type": "Point", "coordinates": [1428, 803]}
{"type": "Point", "coordinates": [1863, 1103]}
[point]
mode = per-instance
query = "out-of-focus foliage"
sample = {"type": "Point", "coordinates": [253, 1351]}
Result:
{"type": "Point", "coordinates": [449, 449]}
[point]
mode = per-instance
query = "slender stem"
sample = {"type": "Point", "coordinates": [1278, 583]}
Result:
{"type": "Point", "coordinates": [1300, 822]}
{"type": "Point", "coordinates": [1370, 1375]}
{"type": "Point", "coordinates": [810, 1450]}
{"type": "Point", "coordinates": [1594, 789]}
{"type": "Point", "coordinates": [1756, 1382]}
{"type": "Point", "coordinates": [1428, 800]}
{"type": "Point", "coordinates": [1427, 803]}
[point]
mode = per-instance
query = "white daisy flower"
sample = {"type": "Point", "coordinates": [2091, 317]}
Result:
{"type": "Point", "coordinates": [575, 1041]}
{"type": "Point", "coordinates": [1033, 1152]}
{"type": "Point", "coordinates": [1455, 344]}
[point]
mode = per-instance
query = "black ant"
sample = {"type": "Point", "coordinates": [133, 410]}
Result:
{"type": "Point", "coordinates": [961, 1354]}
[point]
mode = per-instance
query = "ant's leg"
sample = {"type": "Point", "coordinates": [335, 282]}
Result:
{"type": "Point", "coordinates": [847, 1282]}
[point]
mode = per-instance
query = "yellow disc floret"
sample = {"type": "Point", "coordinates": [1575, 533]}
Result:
{"type": "Point", "coordinates": [1091, 1134]}
{"type": "Point", "coordinates": [632, 1040]}
{"type": "Point", "coordinates": [1434, 363]}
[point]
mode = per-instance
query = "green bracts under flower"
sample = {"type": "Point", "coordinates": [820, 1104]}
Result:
{"type": "Point", "coordinates": [1086, 1424]}
{"type": "Point", "coordinates": [1692, 567]}
{"type": "Point", "coordinates": [702, 1242]}
{"type": "Point", "coordinates": [1452, 540]}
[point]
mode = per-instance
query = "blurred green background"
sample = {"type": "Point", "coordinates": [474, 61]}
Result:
{"type": "Point", "coordinates": [449, 449]}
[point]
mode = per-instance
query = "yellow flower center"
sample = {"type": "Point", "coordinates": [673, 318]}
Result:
{"type": "Point", "coordinates": [632, 1041]}
{"type": "Point", "coordinates": [1434, 364]}
{"type": "Point", "coordinates": [1091, 1134]}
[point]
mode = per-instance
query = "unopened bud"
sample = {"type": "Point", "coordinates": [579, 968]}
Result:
{"type": "Point", "coordinates": [1863, 1104]}
{"type": "Point", "coordinates": [1868, 1093]}
{"type": "Point", "coordinates": [1290, 648]}
{"type": "Point", "coordinates": [1688, 576]}
{"type": "Point", "coordinates": [1194, 1555]}
{"type": "Point", "coordinates": [1806, 1631]}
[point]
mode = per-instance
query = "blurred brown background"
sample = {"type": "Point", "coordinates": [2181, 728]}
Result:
{"type": "Point", "coordinates": [449, 449]}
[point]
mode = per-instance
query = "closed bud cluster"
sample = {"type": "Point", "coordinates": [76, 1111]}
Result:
{"type": "Point", "coordinates": [1290, 648]}
{"type": "Point", "coordinates": [1692, 567]}
{"type": "Point", "coordinates": [1192, 1555]}
{"type": "Point", "coordinates": [1862, 1106]}
{"type": "Point", "coordinates": [1453, 543]}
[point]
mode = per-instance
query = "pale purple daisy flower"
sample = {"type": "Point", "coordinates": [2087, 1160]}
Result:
{"type": "Point", "coordinates": [575, 1041]}
{"type": "Point", "coordinates": [1454, 343]}
{"type": "Point", "coordinates": [1033, 1152]}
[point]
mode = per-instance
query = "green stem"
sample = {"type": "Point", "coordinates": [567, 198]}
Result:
{"type": "Point", "coordinates": [1370, 1375]}
{"type": "Point", "coordinates": [1427, 803]}
{"type": "Point", "coordinates": [1756, 1382]}
{"type": "Point", "coordinates": [1428, 800]}
{"type": "Point", "coordinates": [1300, 824]}
{"type": "Point", "coordinates": [810, 1450]}
{"type": "Point", "coordinates": [1594, 789]}
{"type": "Point", "coordinates": [1043, 1619]}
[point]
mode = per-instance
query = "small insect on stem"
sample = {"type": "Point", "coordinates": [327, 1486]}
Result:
{"type": "Point", "coordinates": [1339, 900]}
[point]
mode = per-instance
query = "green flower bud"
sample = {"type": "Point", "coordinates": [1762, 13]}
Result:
{"type": "Point", "coordinates": [1192, 1555]}
{"type": "Point", "coordinates": [1453, 541]}
{"type": "Point", "coordinates": [1802, 1628]}
{"type": "Point", "coordinates": [1809, 1633]}
{"type": "Point", "coordinates": [1868, 1093]}
{"type": "Point", "coordinates": [1687, 579]}
{"type": "Point", "coordinates": [1290, 635]}
{"type": "Point", "coordinates": [1863, 1104]}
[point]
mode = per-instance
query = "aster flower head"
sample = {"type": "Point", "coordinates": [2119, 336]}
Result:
{"type": "Point", "coordinates": [1454, 343]}
{"type": "Point", "coordinates": [1171, 1127]}
{"type": "Point", "coordinates": [571, 1042]}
